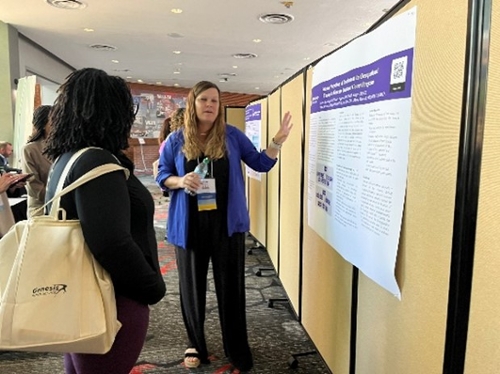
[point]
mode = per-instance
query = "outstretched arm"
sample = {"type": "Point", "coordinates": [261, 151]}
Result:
{"type": "Point", "coordinates": [281, 136]}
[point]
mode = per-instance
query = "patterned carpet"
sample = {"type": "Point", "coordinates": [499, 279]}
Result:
{"type": "Point", "coordinates": [274, 333]}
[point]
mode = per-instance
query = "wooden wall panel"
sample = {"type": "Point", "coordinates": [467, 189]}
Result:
{"type": "Point", "coordinates": [326, 287]}
{"type": "Point", "coordinates": [227, 98]}
{"type": "Point", "coordinates": [292, 99]}
{"type": "Point", "coordinates": [273, 183]}
{"type": "Point", "coordinates": [257, 190]}
{"type": "Point", "coordinates": [483, 345]}
{"type": "Point", "coordinates": [408, 336]}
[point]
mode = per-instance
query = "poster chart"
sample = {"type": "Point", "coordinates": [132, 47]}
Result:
{"type": "Point", "coordinates": [358, 147]}
{"type": "Point", "coordinates": [152, 108]}
{"type": "Point", "coordinates": [252, 130]}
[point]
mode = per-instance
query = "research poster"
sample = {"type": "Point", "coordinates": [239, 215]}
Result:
{"type": "Point", "coordinates": [358, 147]}
{"type": "Point", "coordinates": [253, 123]}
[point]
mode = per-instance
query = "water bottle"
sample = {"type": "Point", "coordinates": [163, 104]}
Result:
{"type": "Point", "coordinates": [202, 170]}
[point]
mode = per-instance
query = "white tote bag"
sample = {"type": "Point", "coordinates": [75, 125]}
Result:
{"type": "Point", "coordinates": [54, 296]}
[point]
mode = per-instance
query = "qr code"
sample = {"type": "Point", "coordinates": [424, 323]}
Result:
{"type": "Point", "coordinates": [398, 70]}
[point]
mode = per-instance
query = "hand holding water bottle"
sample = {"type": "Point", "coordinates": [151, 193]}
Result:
{"type": "Point", "coordinates": [192, 181]}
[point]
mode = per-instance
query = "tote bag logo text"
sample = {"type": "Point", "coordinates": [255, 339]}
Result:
{"type": "Point", "coordinates": [49, 290]}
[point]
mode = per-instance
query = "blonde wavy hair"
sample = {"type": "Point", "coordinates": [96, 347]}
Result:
{"type": "Point", "coordinates": [215, 146]}
{"type": "Point", "coordinates": [177, 119]}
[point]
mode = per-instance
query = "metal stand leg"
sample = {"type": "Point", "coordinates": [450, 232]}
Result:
{"type": "Point", "coordinates": [259, 272]}
{"type": "Point", "coordinates": [294, 363]}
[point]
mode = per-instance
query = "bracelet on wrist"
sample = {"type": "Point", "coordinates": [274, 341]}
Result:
{"type": "Point", "coordinates": [275, 145]}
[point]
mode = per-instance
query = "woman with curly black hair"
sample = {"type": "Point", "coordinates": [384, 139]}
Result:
{"type": "Point", "coordinates": [116, 214]}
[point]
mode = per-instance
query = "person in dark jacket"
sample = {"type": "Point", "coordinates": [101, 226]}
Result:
{"type": "Point", "coordinates": [116, 214]}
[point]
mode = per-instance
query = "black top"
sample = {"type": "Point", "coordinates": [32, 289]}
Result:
{"type": "Point", "coordinates": [116, 216]}
{"type": "Point", "coordinates": [210, 219]}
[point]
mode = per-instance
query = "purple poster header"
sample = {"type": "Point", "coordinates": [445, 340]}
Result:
{"type": "Point", "coordinates": [252, 113]}
{"type": "Point", "coordinates": [386, 79]}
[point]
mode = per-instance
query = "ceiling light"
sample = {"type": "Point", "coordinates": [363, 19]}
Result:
{"type": "Point", "coordinates": [140, 80]}
{"type": "Point", "coordinates": [257, 40]}
{"type": "Point", "coordinates": [175, 35]}
{"type": "Point", "coordinates": [223, 80]}
{"type": "Point", "coordinates": [307, 58]}
{"type": "Point", "coordinates": [103, 47]}
{"type": "Point", "coordinates": [235, 67]}
{"type": "Point", "coordinates": [244, 55]}
{"type": "Point", "coordinates": [177, 72]}
{"type": "Point", "coordinates": [88, 29]}
{"type": "Point", "coordinates": [67, 4]}
{"type": "Point", "coordinates": [227, 75]}
{"type": "Point", "coordinates": [115, 61]}
{"type": "Point", "coordinates": [176, 52]}
{"type": "Point", "coordinates": [176, 84]}
{"type": "Point", "coordinates": [158, 82]}
{"type": "Point", "coordinates": [276, 18]}
{"type": "Point", "coordinates": [257, 88]}
{"type": "Point", "coordinates": [176, 11]}
{"type": "Point", "coordinates": [129, 77]}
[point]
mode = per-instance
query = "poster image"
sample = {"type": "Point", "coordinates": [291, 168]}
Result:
{"type": "Point", "coordinates": [253, 121]}
{"type": "Point", "coordinates": [151, 110]}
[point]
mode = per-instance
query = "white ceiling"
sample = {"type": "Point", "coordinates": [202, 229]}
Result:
{"type": "Point", "coordinates": [212, 31]}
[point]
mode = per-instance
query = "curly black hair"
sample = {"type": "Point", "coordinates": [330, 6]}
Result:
{"type": "Point", "coordinates": [40, 119]}
{"type": "Point", "coordinates": [92, 109]}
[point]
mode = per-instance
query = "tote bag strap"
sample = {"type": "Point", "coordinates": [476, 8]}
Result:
{"type": "Point", "coordinates": [91, 174]}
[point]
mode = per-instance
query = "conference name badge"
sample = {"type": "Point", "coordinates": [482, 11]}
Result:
{"type": "Point", "coordinates": [206, 195]}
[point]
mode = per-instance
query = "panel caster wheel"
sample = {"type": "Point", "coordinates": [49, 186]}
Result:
{"type": "Point", "coordinates": [293, 363]}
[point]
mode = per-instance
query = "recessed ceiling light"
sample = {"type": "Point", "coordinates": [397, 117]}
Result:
{"type": "Point", "coordinates": [276, 18]}
{"type": "Point", "coordinates": [140, 80]}
{"type": "Point", "coordinates": [129, 77]}
{"type": "Point", "coordinates": [307, 58]}
{"type": "Point", "coordinates": [103, 47]}
{"type": "Point", "coordinates": [244, 55]}
{"type": "Point", "coordinates": [175, 35]}
{"type": "Point", "coordinates": [176, 52]}
{"type": "Point", "coordinates": [67, 4]}
{"type": "Point", "coordinates": [88, 29]}
{"type": "Point", "coordinates": [257, 88]}
{"type": "Point", "coordinates": [176, 84]}
{"type": "Point", "coordinates": [158, 82]}
{"type": "Point", "coordinates": [177, 72]}
{"type": "Point", "coordinates": [257, 40]}
{"type": "Point", "coordinates": [115, 61]}
{"type": "Point", "coordinates": [176, 11]}
{"type": "Point", "coordinates": [235, 67]}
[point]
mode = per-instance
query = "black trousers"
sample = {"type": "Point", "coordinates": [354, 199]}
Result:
{"type": "Point", "coordinates": [228, 263]}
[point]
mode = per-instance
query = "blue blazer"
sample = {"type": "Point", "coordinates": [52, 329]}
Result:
{"type": "Point", "coordinates": [239, 148]}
